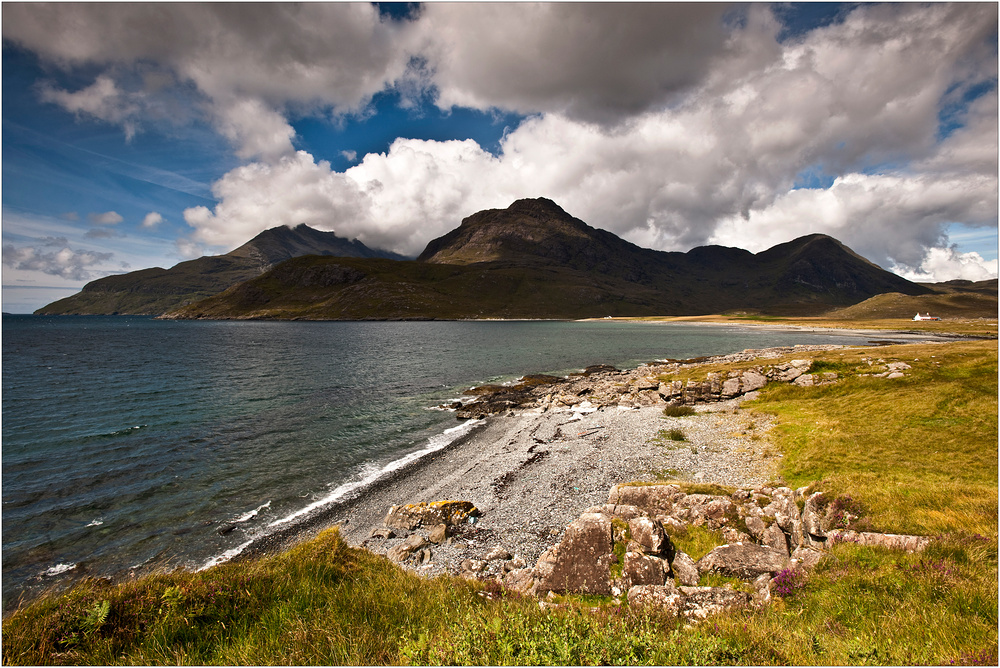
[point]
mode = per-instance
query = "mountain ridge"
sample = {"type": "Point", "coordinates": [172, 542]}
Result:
{"type": "Point", "coordinates": [534, 260]}
{"type": "Point", "coordinates": [155, 291]}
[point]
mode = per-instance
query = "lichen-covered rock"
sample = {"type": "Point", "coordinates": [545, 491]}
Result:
{"type": "Point", "coordinates": [651, 536]}
{"type": "Point", "coordinates": [701, 602]}
{"type": "Point", "coordinates": [581, 562]}
{"type": "Point", "coordinates": [521, 580]}
{"type": "Point", "coordinates": [684, 569]}
{"type": "Point", "coordinates": [775, 539]}
{"type": "Point", "coordinates": [746, 561]}
{"type": "Point", "coordinates": [762, 589]}
{"type": "Point", "coordinates": [755, 525]}
{"type": "Point", "coordinates": [664, 597]}
{"type": "Point", "coordinates": [888, 540]}
{"type": "Point", "coordinates": [621, 511]}
{"type": "Point", "coordinates": [412, 515]}
{"type": "Point", "coordinates": [656, 498]}
{"type": "Point", "coordinates": [811, 520]}
{"type": "Point", "coordinates": [643, 569]}
{"type": "Point", "coordinates": [806, 558]}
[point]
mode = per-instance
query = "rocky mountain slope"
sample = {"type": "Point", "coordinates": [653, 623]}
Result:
{"type": "Point", "coordinates": [534, 260]}
{"type": "Point", "coordinates": [155, 291]}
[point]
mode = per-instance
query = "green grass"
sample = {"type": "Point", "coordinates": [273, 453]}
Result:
{"type": "Point", "coordinates": [918, 453]}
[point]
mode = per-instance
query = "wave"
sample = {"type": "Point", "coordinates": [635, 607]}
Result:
{"type": "Point", "coordinates": [121, 432]}
{"type": "Point", "coordinates": [249, 515]}
{"type": "Point", "coordinates": [58, 569]}
{"type": "Point", "coordinates": [434, 443]}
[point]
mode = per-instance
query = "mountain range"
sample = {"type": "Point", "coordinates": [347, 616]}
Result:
{"type": "Point", "coordinates": [534, 260]}
{"type": "Point", "coordinates": [530, 260]}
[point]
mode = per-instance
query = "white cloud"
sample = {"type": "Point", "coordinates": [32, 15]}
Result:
{"type": "Point", "coordinates": [188, 249]}
{"type": "Point", "coordinates": [106, 218]}
{"type": "Point", "coordinates": [65, 263]}
{"type": "Point", "coordinates": [946, 264]}
{"type": "Point", "coordinates": [349, 156]}
{"type": "Point", "coordinates": [102, 99]}
{"type": "Point", "coordinates": [152, 219]}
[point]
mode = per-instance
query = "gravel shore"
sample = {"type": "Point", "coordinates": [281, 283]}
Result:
{"type": "Point", "coordinates": [531, 474]}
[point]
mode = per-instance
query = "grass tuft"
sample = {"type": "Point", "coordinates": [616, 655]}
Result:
{"type": "Point", "coordinates": [678, 410]}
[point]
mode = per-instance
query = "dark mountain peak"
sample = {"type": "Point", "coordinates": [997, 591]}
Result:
{"type": "Point", "coordinates": [281, 243]}
{"type": "Point", "coordinates": [529, 230]}
{"type": "Point", "coordinates": [155, 291]}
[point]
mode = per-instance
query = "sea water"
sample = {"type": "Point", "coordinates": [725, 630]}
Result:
{"type": "Point", "coordinates": [129, 441]}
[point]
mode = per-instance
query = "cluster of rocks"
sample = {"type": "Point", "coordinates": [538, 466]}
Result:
{"type": "Point", "coordinates": [624, 546]}
{"type": "Point", "coordinates": [889, 369]}
{"type": "Point", "coordinates": [602, 385]}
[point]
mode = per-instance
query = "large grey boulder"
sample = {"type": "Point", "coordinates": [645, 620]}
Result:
{"type": "Point", "coordinates": [752, 380]}
{"type": "Point", "coordinates": [685, 569]}
{"type": "Point", "coordinates": [581, 562]}
{"type": "Point", "coordinates": [746, 561]}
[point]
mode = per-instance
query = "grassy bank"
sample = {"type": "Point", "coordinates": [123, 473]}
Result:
{"type": "Point", "coordinates": [917, 454]}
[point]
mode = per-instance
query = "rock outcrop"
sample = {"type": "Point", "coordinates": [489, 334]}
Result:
{"type": "Point", "coordinates": [650, 385]}
{"type": "Point", "coordinates": [624, 546]}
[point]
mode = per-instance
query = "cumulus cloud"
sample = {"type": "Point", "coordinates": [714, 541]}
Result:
{"type": "Point", "coordinates": [106, 218]}
{"type": "Point", "coordinates": [590, 61]}
{"type": "Point", "coordinates": [67, 263]}
{"type": "Point", "coordinates": [152, 219]}
{"type": "Point", "coordinates": [102, 99]}
{"type": "Point", "coordinates": [249, 62]}
{"type": "Point", "coordinates": [946, 264]}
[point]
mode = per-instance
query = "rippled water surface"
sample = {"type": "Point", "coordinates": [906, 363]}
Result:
{"type": "Point", "coordinates": [129, 441]}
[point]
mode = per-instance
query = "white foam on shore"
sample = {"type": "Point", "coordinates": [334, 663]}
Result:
{"type": "Point", "coordinates": [247, 516]}
{"type": "Point", "coordinates": [434, 444]}
{"type": "Point", "coordinates": [59, 569]}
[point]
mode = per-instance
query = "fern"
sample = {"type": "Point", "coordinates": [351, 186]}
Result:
{"type": "Point", "coordinates": [96, 617]}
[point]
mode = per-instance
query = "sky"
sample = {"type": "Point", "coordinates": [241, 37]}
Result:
{"type": "Point", "coordinates": [141, 135]}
